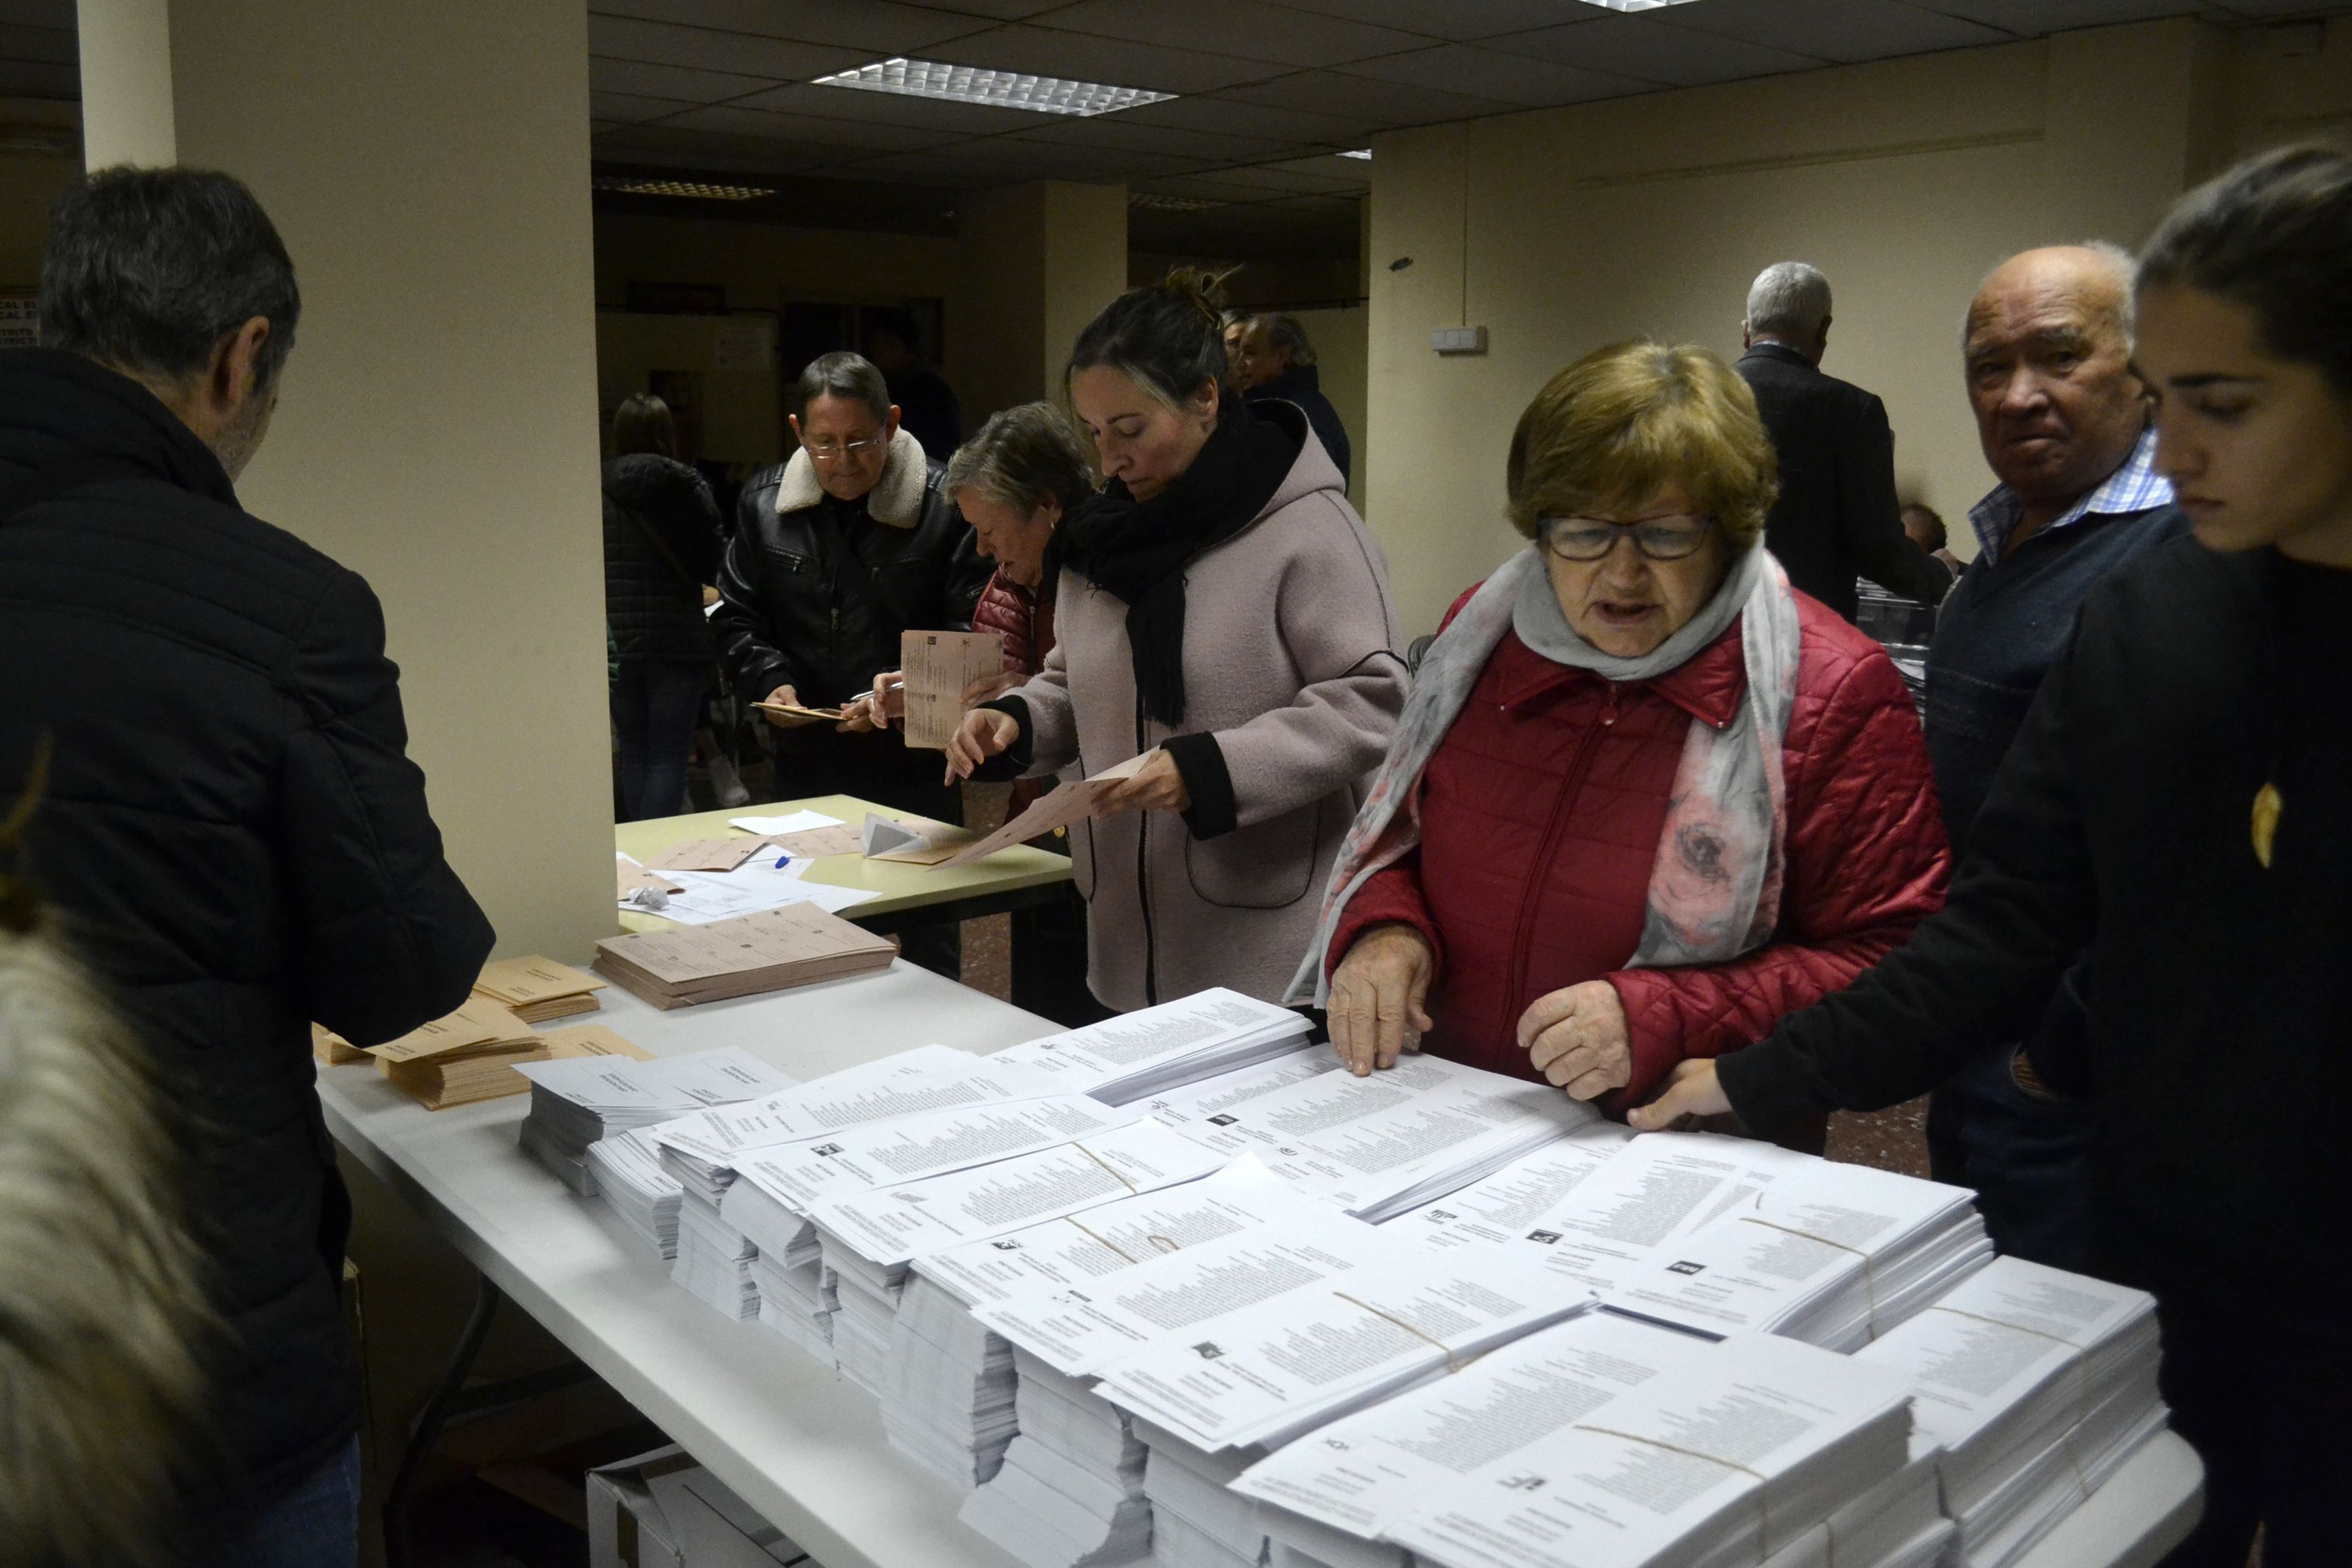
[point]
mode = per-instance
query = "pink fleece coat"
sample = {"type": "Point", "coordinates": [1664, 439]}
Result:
{"type": "Point", "coordinates": [1291, 662]}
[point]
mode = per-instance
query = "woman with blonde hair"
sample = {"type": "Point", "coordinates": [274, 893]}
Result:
{"type": "Point", "coordinates": [1646, 797]}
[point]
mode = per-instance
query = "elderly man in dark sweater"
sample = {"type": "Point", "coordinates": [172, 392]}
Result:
{"type": "Point", "coordinates": [2063, 420]}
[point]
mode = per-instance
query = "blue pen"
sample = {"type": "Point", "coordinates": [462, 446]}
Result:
{"type": "Point", "coordinates": [780, 859]}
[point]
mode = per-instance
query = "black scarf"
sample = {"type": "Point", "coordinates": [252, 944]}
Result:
{"type": "Point", "coordinates": [1138, 550]}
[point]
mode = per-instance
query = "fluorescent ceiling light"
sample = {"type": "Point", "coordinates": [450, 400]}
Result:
{"type": "Point", "coordinates": [630, 185]}
{"type": "Point", "coordinates": [1000, 89]}
{"type": "Point", "coordinates": [1363, 153]}
{"type": "Point", "coordinates": [1169, 203]}
{"type": "Point", "coordinates": [1634, 4]}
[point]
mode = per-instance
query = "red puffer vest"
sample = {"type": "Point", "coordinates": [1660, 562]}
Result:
{"type": "Point", "coordinates": [1540, 813]}
{"type": "Point", "coordinates": [1023, 616]}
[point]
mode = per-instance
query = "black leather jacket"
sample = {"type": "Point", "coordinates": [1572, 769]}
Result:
{"type": "Point", "coordinates": [816, 595]}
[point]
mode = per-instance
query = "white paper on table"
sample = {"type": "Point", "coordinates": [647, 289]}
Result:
{"type": "Point", "coordinates": [758, 884]}
{"type": "Point", "coordinates": [1367, 1470]}
{"type": "Point", "coordinates": [1599, 1499]}
{"type": "Point", "coordinates": [913, 1147]}
{"type": "Point", "coordinates": [1079, 1328]}
{"type": "Point", "coordinates": [926, 1078]}
{"type": "Point", "coordinates": [1073, 1249]}
{"type": "Point", "coordinates": [1086, 1059]}
{"type": "Point", "coordinates": [727, 1075]}
{"type": "Point", "coordinates": [634, 1159]}
{"type": "Point", "coordinates": [1516, 1198]}
{"type": "Point", "coordinates": [791, 822]}
{"type": "Point", "coordinates": [1252, 1375]}
{"type": "Point", "coordinates": [1210, 1102]}
{"type": "Point", "coordinates": [899, 1223]}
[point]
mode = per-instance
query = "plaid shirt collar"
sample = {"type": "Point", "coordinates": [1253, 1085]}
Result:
{"type": "Point", "coordinates": [2135, 487]}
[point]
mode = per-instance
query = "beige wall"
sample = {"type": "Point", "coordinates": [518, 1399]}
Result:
{"type": "Point", "coordinates": [1904, 181]}
{"type": "Point", "coordinates": [1034, 263]}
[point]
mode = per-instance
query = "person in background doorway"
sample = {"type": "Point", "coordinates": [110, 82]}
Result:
{"type": "Point", "coordinates": [836, 552]}
{"type": "Point", "coordinates": [1234, 325]}
{"type": "Point", "coordinates": [928, 409]}
{"type": "Point", "coordinates": [1223, 614]}
{"type": "Point", "coordinates": [2176, 801]}
{"type": "Point", "coordinates": [1924, 526]}
{"type": "Point", "coordinates": [2063, 421]}
{"type": "Point", "coordinates": [1647, 798]}
{"type": "Point", "coordinates": [1275, 361]}
{"type": "Point", "coordinates": [1837, 519]}
{"type": "Point", "coordinates": [661, 547]}
{"type": "Point", "coordinates": [1015, 481]}
{"type": "Point", "coordinates": [233, 836]}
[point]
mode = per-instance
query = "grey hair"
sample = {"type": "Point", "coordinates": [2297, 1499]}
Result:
{"type": "Point", "coordinates": [107, 1326]}
{"type": "Point", "coordinates": [147, 269]}
{"type": "Point", "coordinates": [1287, 332]}
{"type": "Point", "coordinates": [1789, 298]}
{"type": "Point", "coordinates": [1024, 456]}
{"type": "Point", "coordinates": [2113, 257]}
{"type": "Point", "coordinates": [841, 375]}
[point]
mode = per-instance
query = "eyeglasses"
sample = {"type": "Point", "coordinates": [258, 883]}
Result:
{"type": "Point", "coordinates": [836, 451]}
{"type": "Point", "coordinates": [1668, 538]}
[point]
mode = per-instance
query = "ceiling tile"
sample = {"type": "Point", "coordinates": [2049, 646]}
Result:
{"type": "Point", "coordinates": [880, 26]}
{"type": "Point", "coordinates": [627, 38]}
{"type": "Point", "coordinates": [1253, 119]}
{"type": "Point", "coordinates": [862, 135]}
{"type": "Point", "coordinates": [1124, 134]}
{"type": "Point", "coordinates": [1833, 29]}
{"type": "Point", "coordinates": [56, 15]}
{"type": "Point", "coordinates": [713, 150]}
{"type": "Point", "coordinates": [628, 108]}
{"type": "Point", "coordinates": [2033, 19]}
{"type": "Point", "coordinates": [1249, 28]}
{"type": "Point", "coordinates": [1211, 185]}
{"type": "Point", "coordinates": [1372, 102]}
{"type": "Point", "coordinates": [1287, 179]}
{"type": "Point", "coordinates": [891, 109]}
{"type": "Point", "coordinates": [1118, 62]}
{"type": "Point", "coordinates": [1455, 20]}
{"type": "Point", "coordinates": [1514, 78]}
{"type": "Point", "coordinates": [644, 79]}
{"type": "Point", "coordinates": [1638, 47]}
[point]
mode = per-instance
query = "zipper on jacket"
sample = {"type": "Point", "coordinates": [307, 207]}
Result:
{"type": "Point", "coordinates": [1578, 765]}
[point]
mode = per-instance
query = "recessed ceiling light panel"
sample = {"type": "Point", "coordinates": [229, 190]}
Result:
{"type": "Point", "coordinates": [1160, 203]}
{"type": "Point", "coordinates": [1000, 89]}
{"type": "Point", "coordinates": [1363, 153]}
{"type": "Point", "coordinates": [1634, 5]}
{"type": "Point", "coordinates": [695, 190]}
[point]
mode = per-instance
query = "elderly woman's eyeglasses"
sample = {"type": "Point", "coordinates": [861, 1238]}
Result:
{"type": "Point", "coordinates": [839, 452]}
{"type": "Point", "coordinates": [1669, 538]}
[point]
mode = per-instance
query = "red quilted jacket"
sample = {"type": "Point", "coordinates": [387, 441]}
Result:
{"type": "Point", "coordinates": [1021, 617]}
{"type": "Point", "coordinates": [1541, 815]}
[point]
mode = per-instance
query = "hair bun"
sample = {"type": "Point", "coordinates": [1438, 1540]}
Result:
{"type": "Point", "coordinates": [1204, 289]}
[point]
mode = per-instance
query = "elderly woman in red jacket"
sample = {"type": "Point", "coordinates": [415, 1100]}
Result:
{"type": "Point", "coordinates": [1645, 797]}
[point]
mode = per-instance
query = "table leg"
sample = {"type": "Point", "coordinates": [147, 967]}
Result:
{"type": "Point", "coordinates": [399, 1527]}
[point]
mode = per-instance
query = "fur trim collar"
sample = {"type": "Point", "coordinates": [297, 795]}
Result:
{"type": "Point", "coordinates": [895, 501]}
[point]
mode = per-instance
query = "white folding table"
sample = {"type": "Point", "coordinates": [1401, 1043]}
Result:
{"type": "Point", "coordinates": [799, 1442]}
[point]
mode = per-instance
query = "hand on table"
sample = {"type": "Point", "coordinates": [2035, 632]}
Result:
{"type": "Point", "coordinates": [1377, 997]}
{"type": "Point", "coordinates": [1692, 1091]}
{"type": "Point", "coordinates": [985, 732]}
{"type": "Point", "coordinates": [1154, 786]}
{"type": "Point", "coordinates": [1577, 1038]}
{"type": "Point", "coordinates": [786, 694]}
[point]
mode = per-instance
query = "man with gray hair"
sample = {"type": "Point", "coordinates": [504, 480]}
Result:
{"type": "Point", "coordinates": [1276, 364]}
{"type": "Point", "coordinates": [2046, 350]}
{"type": "Point", "coordinates": [1837, 518]}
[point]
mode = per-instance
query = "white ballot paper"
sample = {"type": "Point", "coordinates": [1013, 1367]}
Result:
{"type": "Point", "coordinates": [909, 1148]}
{"type": "Point", "coordinates": [1268, 1373]}
{"type": "Point", "coordinates": [1079, 1328]}
{"type": "Point", "coordinates": [777, 826]}
{"type": "Point", "coordinates": [928, 1077]}
{"type": "Point", "coordinates": [1718, 1460]}
{"type": "Point", "coordinates": [1361, 1474]}
{"type": "Point", "coordinates": [1075, 1248]}
{"type": "Point", "coordinates": [617, 1088]}
{"type": "Point", "coordinates": [1140, 1054]}
{"type": "Point", "coordinates": [705, 896]}
{"type": "Point", "coordinates": [1521, 1195]}
{"type": "Point", "coordinates": [899, 1223]}
{"type": "Point", "coordinates": [1835, 1255]}
{"type": "Point", "coordinates": [1382, 1144]}
{"type": "Point", "coordinates": [1210, 1103]}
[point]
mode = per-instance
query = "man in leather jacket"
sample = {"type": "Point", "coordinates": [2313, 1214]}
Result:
{"type": "Point", "coordinates": [836, 552]}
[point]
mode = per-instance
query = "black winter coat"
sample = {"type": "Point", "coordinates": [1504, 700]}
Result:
{"type": "Point", "coordinates": [1303, 384]}
{"type": "Point", "coordinates": [235, 839]}
{"type": "Point", "coordinates": [2217, 1055]}
{"type": "Point", "coordinates": [1837, 518]}
{"type": "Point", "coordinates": [653, 607]}
{"type": "Point", "coordinates": [816, 594]}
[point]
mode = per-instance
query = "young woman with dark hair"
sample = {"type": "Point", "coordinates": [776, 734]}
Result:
{"type": "Point", "coordinates": [2181, 804]}
{"type": "Point", "coordinates": [1223, 614]}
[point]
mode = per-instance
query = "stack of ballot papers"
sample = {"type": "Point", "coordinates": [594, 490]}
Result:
{"type": "Point", "coordinates": [771, 951]}
{"type": "Point", "coordinates": [714, 1260]}
{"type": "Point", "coordinates": [797, 1297]}
{"type": "Point", "coordinates": [2037, 1384]}
{"type": "Point", "coordinates": [574, 1103]}
{"type": "Point", "coordinates": [539, 990]}
{"type": "Point", "coordinates": [1197, 1521]}
{"type": "Point", "coordinates": [627, 1172]}
{"type": "Point", "coordinates": [1137, 1055]}
{"type": "Point", "coordinates": [1396, 1141]}
{"type": "Point", "coordinates": [864, 1306]}
{"type": "Point", "coordinates": [1070, 1491]}
{"type": "Point", "coordinates": [471, 1055]}
{"type": "Point", "coordinates": [1732, 1458]}
{"type": "Point", "coordinates": [1835, 1255]}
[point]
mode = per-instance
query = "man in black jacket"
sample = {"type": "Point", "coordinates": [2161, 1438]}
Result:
{"type": "Point", "coordinates": [1276, 363]}
{"type": "Point", "coordinates": [1837, 518]}
{"type": "Point", "coordinates": [231, 830]}
{"type": "Point", "coordinates": [836, 552]}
